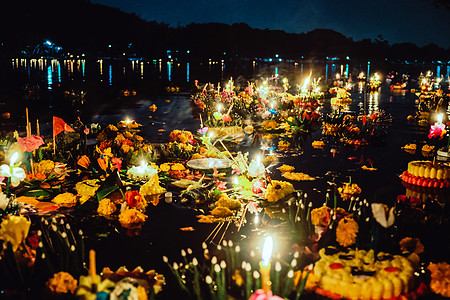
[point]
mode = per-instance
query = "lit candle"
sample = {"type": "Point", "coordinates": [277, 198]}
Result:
{"type": "Point", "coordinates": [248, 280]}
{"type": "Point", "coordinates": [220, 288]}
{"type": "Point", "coordinates": [257, 277]}
{"type": "Point", "coordinates": [264, 265]}
{"type": "Point", "coordinates": [223, 284]}
{"type": "Point", "coordinates": [289, 284]}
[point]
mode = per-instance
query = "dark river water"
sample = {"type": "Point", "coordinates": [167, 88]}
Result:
{"type": "Point", "coordinates": [44, 86]}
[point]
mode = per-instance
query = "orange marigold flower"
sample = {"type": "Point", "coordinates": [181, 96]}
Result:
{"type": "Point", "coordinates": [106, 207]}
{"type": "Point", "coordinates": [346, 231]}
{"type": "Point", "coordinates": [278, 189]}
{"type": "Point", "coordinates": [320, 216]}
{"type": "Point", "coordinates": [440, 282]}
{"type": "Point", "coordinates": [132, 218]}
{"type": "Point", "coordinates": [412, 245]}
{"type": "Point", "coordinates": [62, 283]}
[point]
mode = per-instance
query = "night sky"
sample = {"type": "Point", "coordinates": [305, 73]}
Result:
{"type": "Point", "coordinates": [415, 21]}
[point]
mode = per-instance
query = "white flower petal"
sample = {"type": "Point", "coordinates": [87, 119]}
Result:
{"type": "Point", "coordinates": [5, 170]}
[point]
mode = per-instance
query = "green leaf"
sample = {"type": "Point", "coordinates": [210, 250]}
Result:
{"type": "Point", "coordinates": [37, 193]}
{"type": "Point", "coordinates": [105, 192]}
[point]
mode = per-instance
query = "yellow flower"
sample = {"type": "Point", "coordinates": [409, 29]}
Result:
{"type": "Point", "coordinates": [128, 135]}
{"type": "Point", "coordinates": [348, 190]}
{"type": "Point", "coordinates": [132, 218]}
{"type": "Point", "coordinates": [62, 283]}
{"type": "Point", "coordinates": [119, 138]}
{"type": "Point", "coordinates": [297, 176]}
{"type": "Point", "coordinates": [318, 144]}
{"type": "Point", "coordinates": [286, 168]}
{"type": "Point", "coordinates": [269, 124]}
{"type": "Point", "coordinates": [225, 201]}
{"type": "Point", "coordinates": [106, 207]}
{"type": "Point", "coordinates": [278, 189]}
{"type": "Point", "coordinates": [217, 115]}
{"type": "Point", "coordinates": [126, 148]}
{"type": "Point", "coordinates": [112, 127]}
{"type": "Point", "coordinates": [45, 166]}
{"type": "Point", "coordinates": [165, 167]}
{"type": "Point", "coordinates": [147, 148]}
{"type": "Point", "coordinates": [283, 145]}
{"type": "Point", "coordinates": [248, 129]}
{"type": "Point", "coordinates": [14, 229]}
{"type": "Point", "coordinates": [196, 156]}
{"type": "Point", "coordinates": [346, 231]}
{"type": "Point", "coordinates": [177, 167]}
{"type": "Point", "coordinates": [320, 216]}
{"type": "Point", "coordinates": [65, 199]}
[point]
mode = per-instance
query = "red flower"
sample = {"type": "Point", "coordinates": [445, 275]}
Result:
{"type": "Point", "coordinates": [226, 118]}
{"type": "Point", "coordinates": [105, 145]}
{"type": "Point", "coordinates": [34, 241]}
{"type": "Point", "coordinates": [306, 116]}
{"type": "Point", "coordinates": [127, 142]}
{"type": "Point", "coordinates": [221, 186]}
{"type": "Point", "coordinates": [133, 198]}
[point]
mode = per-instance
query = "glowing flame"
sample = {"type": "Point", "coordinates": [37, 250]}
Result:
{"type": "Point", "coordinates": [267, 251]}
{"type": "Point", "coordinates": [439, 117]}
{"type": "Point", "coordinates": [306, 83]}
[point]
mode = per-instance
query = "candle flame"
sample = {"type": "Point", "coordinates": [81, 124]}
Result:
{"type": "Point", "coordinates": [440, 117]}
{"type": "Point", "coordinates": [306, 83]}
{"type": "Point", "coordinates": [13, 158]}
{"type": "Point", "coordinates": [267, 251]}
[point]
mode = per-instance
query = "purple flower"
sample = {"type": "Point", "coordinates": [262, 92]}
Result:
{"type": "Point", "coordinates": [203, 130]}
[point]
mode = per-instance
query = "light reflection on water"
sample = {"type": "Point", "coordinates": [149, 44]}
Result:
{"type": "Point", "coordinates": [105, 79]}
{"type": "Point", "coordinates": [180, 72]}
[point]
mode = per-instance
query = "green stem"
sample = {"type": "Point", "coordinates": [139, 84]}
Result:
{"type": "Point", "coordinates": [8, 186]}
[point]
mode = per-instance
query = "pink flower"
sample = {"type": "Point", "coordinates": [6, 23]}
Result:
{"type": "Point", "coordinates": [266, 114]}
{"type": "Point", "coordinates": [29, 144]}
{"type": "Point", "coordinates": [261, 295]}
{"type": "Point", "coordinates": [117, 162]}
{"type": "Point", "coordinates": [253, 207]}
{"type": "Point", "coordinates": [221, 186]}
{"type": "Point", "coordinates": [237, 171]}
{"type": "Point", "coordinates": [437, 130]}
{"type": "Point", "coordinates": [203, 130]}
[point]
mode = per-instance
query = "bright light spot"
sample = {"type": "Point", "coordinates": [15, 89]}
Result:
{"type": "Point", "coordinates": [267, 251]}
